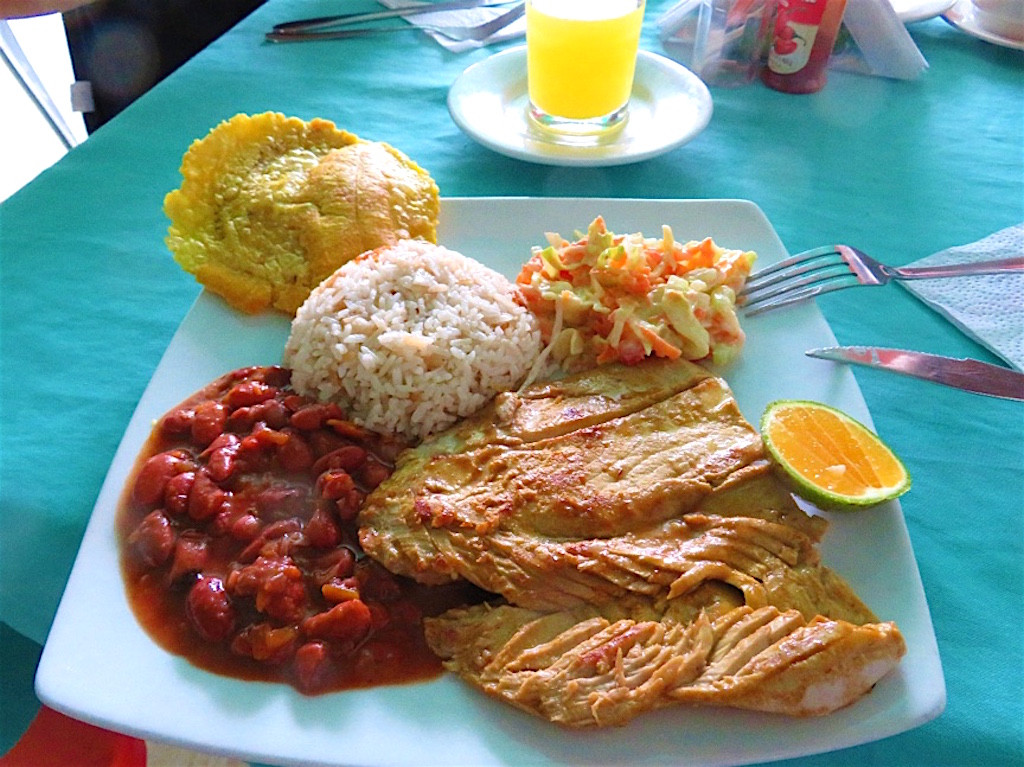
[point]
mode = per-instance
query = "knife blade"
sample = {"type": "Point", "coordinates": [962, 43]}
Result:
{"type": "Point", "coordinates": [966, 374]}
{"type": "Point", "coordinates": [345, 19]}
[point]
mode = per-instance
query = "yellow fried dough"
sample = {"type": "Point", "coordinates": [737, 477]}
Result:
{"type": "Point", "coordinates": [270, 206]}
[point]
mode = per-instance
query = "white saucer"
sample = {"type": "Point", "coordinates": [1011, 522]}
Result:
{"type": "Point", "coordinates": [910, 11]}
{"type": "Point", "coordinates": [670, 106]}
{"type": "Point", "coordinates": [962, 16]}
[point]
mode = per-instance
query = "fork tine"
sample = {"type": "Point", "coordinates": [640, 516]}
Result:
{"type": "Point", "coordinates": [797, 278]}
{"type": "Point", "coordinates": [798, 260]}
{"type": "Point", "coordinates": [788, 282]}
{"type": "Point", "coordinates": [764, 304]}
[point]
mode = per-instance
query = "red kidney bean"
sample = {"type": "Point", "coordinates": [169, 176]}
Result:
{"type": "Point", "coordinates": [176, 493]}
{"type": "Point", "coordinates": [346, 622]}
{"type": "Point", "coordinates": [210, 420]}
{"type": "Point", "coordinates": [222, 455]}
{"type": "Point", "coordinates": [245, 527]}
{"type": "Point", "coordinates": [178, 421]}
{"type": "Point", "coordinates": [191, 555]}
{"type": "Point", "coordinates": [312, 666]}
{"type": "Point", "coordinates": [265, 438]}
{"type": "Point", "coordinates": [346, 563]}
{"type": "Point", "coordinates": [322, 530]}
{"type": "Point", "coordinates": [242, 419]}
{"type": "Point", "coordinates": [154, 475]}
{"type": "Point", "coordinates": [231, 518]}
{"type": "Point", "coordinates": [349, 430]}
{"type": "Point", "coordinates": [221, 441]}
{"type": "Point", "coordinates": [276, 376]}
{"type": "Point", "coordinates": [371, 474]}
{"type": "Point", "coordinates": [335, 565]}
{"type": "Point", "coordinates": [153, 539]}
{"type": "Point", "coordinates": [295, 454]}
{"type": "Point", "coordinates": [313, 416]}
{"type": "Point", "coordinates": [273, 413]}
{"type": "Point", "coordinates": [307, 418]}
{"type": "Point", "coordinates": [347, 457]}
{"type": "Point", "coordinates": [206, 498]}
{"type": "Point", "coordinates": [294, 402]}
{"type": "Point", "coordinates": [249, 393]}
{"type": "Point", "coordinates": [209, 609]}
{"type": "Point", "coordinates": [335, 483]}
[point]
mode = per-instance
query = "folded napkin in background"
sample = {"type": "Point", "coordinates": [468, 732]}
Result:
{"type": "Point", "coordinates": [989, 307]}
{"type": "Point", "coordinates": [468, 17]}
{"type": "Point", "coordinates": [879, 43]}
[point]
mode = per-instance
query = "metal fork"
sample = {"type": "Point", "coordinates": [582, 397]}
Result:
{"type": "Point", "coordinates": [834, 267]}
{"type": "Point", "coordinates": [476, 32]}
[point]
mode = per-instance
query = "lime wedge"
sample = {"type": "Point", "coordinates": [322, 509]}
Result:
{"type": "Point", "coordinates": [830, 459]}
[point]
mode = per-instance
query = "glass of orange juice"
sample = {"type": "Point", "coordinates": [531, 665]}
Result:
{"type": "Point", "coordinates": [580, 61]}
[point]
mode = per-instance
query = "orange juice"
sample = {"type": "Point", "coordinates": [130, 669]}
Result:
{"type": "Point", "coordinates": [581, 55]}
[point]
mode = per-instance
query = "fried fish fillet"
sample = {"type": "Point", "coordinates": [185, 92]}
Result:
{"type": "Point", "coordinates": [644, 551]}
{"type": "Point", "coordinates": [585, 490]}
{"type": "Point", "coordinates": [269, 206]}
{"type": "Point", "coordinates": [579, 668]}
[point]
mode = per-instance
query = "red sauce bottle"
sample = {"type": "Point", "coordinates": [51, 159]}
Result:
{"type": "Point", "coordinates": [805, 33]}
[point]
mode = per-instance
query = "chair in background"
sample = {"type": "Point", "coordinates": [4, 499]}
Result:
{"type": "Point", "coordinates": [14, 57]}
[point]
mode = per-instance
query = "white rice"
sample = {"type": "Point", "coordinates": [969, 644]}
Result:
{"type": "Point", "coordinates": [407, 339]}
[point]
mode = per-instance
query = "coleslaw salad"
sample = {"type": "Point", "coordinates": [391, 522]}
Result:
{"type": "Point", "coordinates": [607, 297]}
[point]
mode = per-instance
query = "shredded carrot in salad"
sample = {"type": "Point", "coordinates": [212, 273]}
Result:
{"type": "Point", "coordinates": [608, 297]}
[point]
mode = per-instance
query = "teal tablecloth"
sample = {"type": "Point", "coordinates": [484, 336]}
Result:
{"type": "Point", "coordinates": [90, 299]}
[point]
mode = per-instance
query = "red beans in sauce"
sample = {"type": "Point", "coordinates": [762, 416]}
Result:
{"type": "Point", "coordinates": [239, 545]}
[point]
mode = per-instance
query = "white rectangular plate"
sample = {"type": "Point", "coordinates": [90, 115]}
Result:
{"type": "Point", "coordinates": [98, 665]}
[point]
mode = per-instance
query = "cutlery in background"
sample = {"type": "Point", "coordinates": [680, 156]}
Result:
{"type": "Point", "coordinates": [346, 19]}
{"type": "Point", "coordinates": [967, 374]}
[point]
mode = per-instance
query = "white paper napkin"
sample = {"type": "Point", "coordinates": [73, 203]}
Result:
{"type": "Point", "coordinates": [990, 307]}
{"type": "Point", "coordinates": [882, 42]}
{"type": "Point", "coordinates": [466, 17]}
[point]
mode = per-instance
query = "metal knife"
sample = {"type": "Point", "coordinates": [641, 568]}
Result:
{"type": "Point", "coordinates": [967, 374]}
{"type": "Point", "coordinates": [320, 22]}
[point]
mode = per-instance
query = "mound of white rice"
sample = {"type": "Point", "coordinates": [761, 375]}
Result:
{"type": "Point", "coordinates": [407, 339]}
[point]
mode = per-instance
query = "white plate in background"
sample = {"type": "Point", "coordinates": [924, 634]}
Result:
{"type": "Point", "coordinates": [965, 17]}
{"type": "Point", "coordinates": [910, 11]}
{"type": "Point", "coordinates": [98, 665]}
